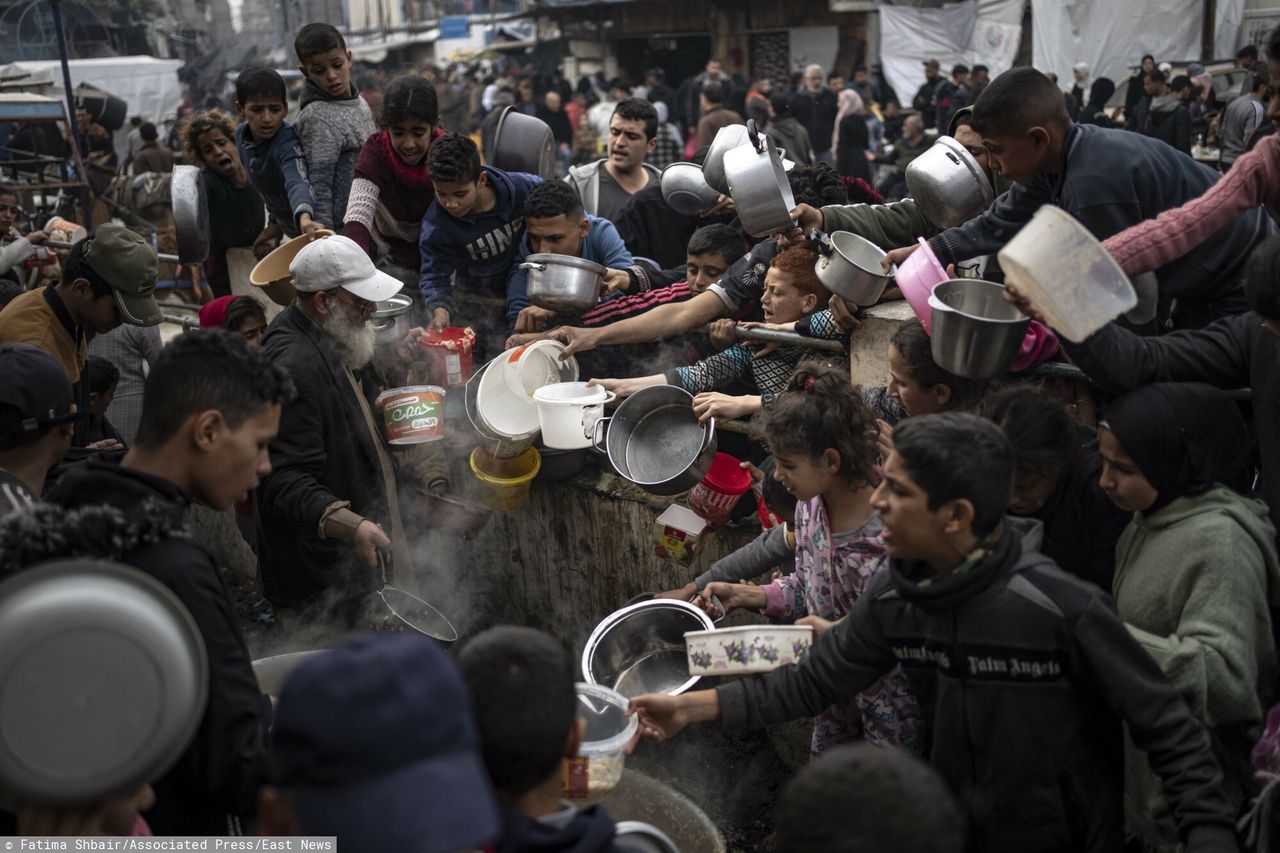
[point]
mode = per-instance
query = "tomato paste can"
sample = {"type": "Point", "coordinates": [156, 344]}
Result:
{"type": "Point", "coordinates": [412, 415]}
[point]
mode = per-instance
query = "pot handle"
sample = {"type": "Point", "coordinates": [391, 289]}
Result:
{"type": "Point", "coordinates": [597, 435]}
{"type": "Point", "coordinates": [382, 565]}
{"type": "Point", "coordinates": [539, 267]}
{"type": "Point", "coordinates": [754, 136]}
{"type": "Point", "coordinates": [711, 436]}
{"type": "Point", "coordinates": [592, 415]}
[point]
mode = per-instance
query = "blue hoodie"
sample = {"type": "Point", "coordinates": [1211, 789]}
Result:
{"type": "Point", "coordinates": [278, 172]}
{"type": "Point", "coordinates": [602, 244]}
{"type": "Point", "coordinates": [478, 245]}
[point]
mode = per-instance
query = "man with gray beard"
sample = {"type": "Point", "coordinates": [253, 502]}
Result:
{"type": "Point", "coordinates": [330, 503]}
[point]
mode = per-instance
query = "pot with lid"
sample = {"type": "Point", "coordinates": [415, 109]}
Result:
{"type": "Point", "coordinates": [948, 184]}
{"type": "Point", "coordinates": [563, 283]}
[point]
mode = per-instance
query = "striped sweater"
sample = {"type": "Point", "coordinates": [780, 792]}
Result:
{"type": "Point", "coordinates": [388, 200]}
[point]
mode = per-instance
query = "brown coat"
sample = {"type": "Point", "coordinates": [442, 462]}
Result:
{"type": "Point", "coordinates": [711, 122]}
{"type": "Point", "coordinates": [153, 158]}
{"type": "Point", "coordinates": [30, 319]}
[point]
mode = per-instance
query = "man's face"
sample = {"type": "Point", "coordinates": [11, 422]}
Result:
{"type": "Point", "coordinates": [627, 143]}
{"type": "Point", "coordinates": [1078, 75]}
{"type": "Point", "coordinates": [8, 213]}
{"type": "Point", "coordinates": [1121, 479]}
{"type": "Point", "coordinates": [1151, 87]}
{"type": "Point", "coordinates": [764, 86]}
{"type": "Point", "coordinates": [410, 139]}
{"type": "Point", "coordinates": [459, 197]}
{"type": "Point", "coordinates": [329, 71]}
{"type": "Point", "coordinates": [526, 91]}
{"type": "Point", "coordinates": [861, 78]}
{"type": "Point", "coordinates": [1148, 64]}
{"type": "Point", "coordinates": [782, 301]}
{"type": "Point", "coordinates": [913, 127]}
{"type": "Point", "coordinates": [236, 460]}
{"type": "Point", "coordinates": [835, 84]}
{"type": "Point", "coordinates": [705, 270]}
{"type": "Point", "coordinates": [961, 79]}
{"type": "Point", "coordinates": [556, 235]}
{"type": "Point", "coordinates": [265, 116]}
{"type": "Point", "coordinates": [99, 313]}
{"type": "Point", "coordinates": [218, 153]}
{"type": "Point", "coordinates": [344, 317]}
{"type": "Point", "coordinates": [804, 476]}
{"type": "Point", "coordinates": [813, 79]}
{"type": "Point", "coordinates": [1018, 158]}
{"type": "Point", "coordinates": [972, 142]}
{"type": "Point", "coordinates": [552, 100]}
{"type": "Point", "coordinates": [912, 531]}
{"type": "Point", "coordinates": [931, 72]}
{"type": "Point", "coordinates": [981, 78]}
{"type": "Point", "coordinates": [713, 68]}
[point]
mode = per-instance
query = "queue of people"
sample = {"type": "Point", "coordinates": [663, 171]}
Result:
{"type": "Point", "coordinates": [1034, 629]}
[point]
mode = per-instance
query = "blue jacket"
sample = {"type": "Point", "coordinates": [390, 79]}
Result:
{"type": "Point", "coordinates": [602, 244]}
{"type": "Point", "coordinates": [477, 245]}
{"type": "Point", "coordinates": [278, 171]}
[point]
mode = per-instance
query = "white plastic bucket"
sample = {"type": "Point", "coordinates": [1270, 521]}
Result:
{"type": "Point", "coordinates": [526, 369]}
{"type": "Point", "coordinates": [568, 412]}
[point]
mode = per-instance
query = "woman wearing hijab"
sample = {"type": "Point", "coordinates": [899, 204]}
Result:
{"type": "Point", "coordinates": [850, 139]}
{"type": "Point", "coordinates": [1100, 91]}
{"type": "Point", "coordinates": [1196, 571]}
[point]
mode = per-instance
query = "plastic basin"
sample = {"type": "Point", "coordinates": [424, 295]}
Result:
{"type": "Point", "coordinates": [917, 276]}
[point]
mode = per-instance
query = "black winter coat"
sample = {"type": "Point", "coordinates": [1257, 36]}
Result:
{"type": "Point", "coordinates": [108, 511]}
{"type": "Point", "coordinates": [817, 114]}
{"type": "Point", "coordinates": [323, 454]}
{"type": "Point", "coordinates": [1025, 674]}
{"type": "Point", "coordinates": [851, 151]}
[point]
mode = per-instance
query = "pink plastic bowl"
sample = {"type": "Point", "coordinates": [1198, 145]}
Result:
{"type": "Point", "coordinates": [917, 276]}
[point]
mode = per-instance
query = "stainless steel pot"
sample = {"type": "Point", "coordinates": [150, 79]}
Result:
{"type": "Point", "coordinates": [849, 265]}
{"type": "Point", "coordinates": [391, 320]}
{"type": "Point", "coordinates": [524, 143]}
{"type": "Point", "coordinates": [271, 672]}
{"type": "Point", "coordinates": [655, 441]}
{"type": "Point", "coordinates": [727, 138]}
{"type": "Point", "coordinates": [563, 283]}
{"type": "Point", "coordinates": [948, 184]}
{"type": "Point", "coordinates": [640, 648]}
{"type": "Point", "coordinates": [686, 190]}
{"type": "Point", "coordinates": [976, 333]}
{"type": "Point", "coordinates": [190, 214]}
{"type": "Point", "coordinates": [759, 187]}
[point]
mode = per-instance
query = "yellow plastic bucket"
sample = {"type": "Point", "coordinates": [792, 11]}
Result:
{"type": "Point", "coordinates": [504, 483]}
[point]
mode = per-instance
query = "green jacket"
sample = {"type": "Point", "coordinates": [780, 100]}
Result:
{"type": "Point", "coordinates": [1194, 581]}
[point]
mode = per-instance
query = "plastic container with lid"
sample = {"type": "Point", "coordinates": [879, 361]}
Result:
{"type": "Point", "coordinates": [535, 365]}
{"type": "Point", "coordinates": [1066, 273]}
{"type": "Point", "coordinates": [715, 497]}
{"type": "Point", "coordinates": [597, 769]}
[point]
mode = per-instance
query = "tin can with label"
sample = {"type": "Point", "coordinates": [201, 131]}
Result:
{"type": "Point", "coordinates": [412, 415]}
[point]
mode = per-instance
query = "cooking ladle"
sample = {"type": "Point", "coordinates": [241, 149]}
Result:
{"type": "Point", "coordinates": [413, 611]}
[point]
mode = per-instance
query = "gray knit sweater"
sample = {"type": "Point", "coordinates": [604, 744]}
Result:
{"type": "Point", "coordinates": [332, 131]}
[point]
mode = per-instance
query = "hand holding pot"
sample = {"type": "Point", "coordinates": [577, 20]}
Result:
{"type": "Point", "coordinates": [733, 596]}
{"type": "Point", "coordinates": [616, 281]}
{"type": "Point", "coordinates": [713, 404]}
{"type": "Point", "coordinates": [724, 204]}
{"type": "Point", "coordinates": [309, 225]}
{"type": "Point", "coordinates": [369, 539]}
{"type": "Point", "coordinates": [897, 256]}
{"type": "Point", "coordinates": [663, 716]}
{"type": "Point", "coordinates": [627, 387]}
{"type": "Point", "coordinates": [808, 217]}
{"type": "Point", "coordinates": [533, 319]}
{"type": "Point", "coordinates": [845, 312]}
{"type": "Point", "coordinates": [684, 593]}
{"type": "Point", "coordinates": [576, 339]}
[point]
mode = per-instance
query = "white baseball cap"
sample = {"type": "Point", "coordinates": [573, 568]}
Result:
{"type": "Point", "coordinates": [333, 262]}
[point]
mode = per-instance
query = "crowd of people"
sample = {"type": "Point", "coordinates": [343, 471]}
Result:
{"type": "Point", "coordinates": [1035, 629]}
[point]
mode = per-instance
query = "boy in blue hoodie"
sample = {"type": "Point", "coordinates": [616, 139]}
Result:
{"type": "Point", "coordinates": [333, 120]}
{"type": "Point", "coordinates": [526, 709]}
{"type": "Point", "coordinates": [270, 151]}
{"type": "Point", "coordinates": [556, 224]}
{"type": "Point", "coordinates": [472, 230]}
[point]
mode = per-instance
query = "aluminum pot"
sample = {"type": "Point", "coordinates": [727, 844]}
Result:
{"type": "Point", "coordinates": [640, 648]}
{"type": "Point", "coordinates": [190, 214]}
{"type": "Point", "coordinates": [686, 190]}
{"type": "Point", "coordinates": [976, 333]}
{"type": "Point", "coordinates": [653, 439]}
{"type": "Point", "coordinates": [524, 143]}
{"type": "Point", "coordinates": [727, 138]}
{"type": "Point", "coordinates": [759, 186]}
{"type": "Point", "coordinates": [849, 266]}
{"type": "Point", "coordinates": [948, 184]}
{"type": "Point", "coordinates": [563, 283]}
{"type": "Point", "coordinates": [391, 320]}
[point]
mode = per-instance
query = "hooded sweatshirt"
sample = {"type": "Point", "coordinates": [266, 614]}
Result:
{"type": "Point", "coordinates": [1195, 576]}
{"type": "Point", "coordinates": [588, 830]}
{"type": "Point", "coordinates": [1168, 119]}
{"type": "Point", "coordinates": [332, 131]}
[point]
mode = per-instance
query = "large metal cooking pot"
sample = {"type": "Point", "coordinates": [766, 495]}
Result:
{"type": "Point", "coordinates": [640, 797]}
{"type": "Point", "coordinates": [655, 441]}
{"type": "Point", "coordinates": [976, 333]}
{"type": "Point", "coordinates": [524, 143]}
{"type": "Point", "coordinates": [190, 214]}
{"type": "Point", "coordinates": [726, 139]}
{"type": "Point", "coordinates": [640, 648]}
{"type": "Point", "coordinates": [105, 679]}
{"type": "Point", "coordinates": [686, 190]}
{"type": "Point", "coordinates": [759, 187]}
{"type": "Point", "coordinates": [849, 265]}
{"type": "Point", "coordinates": [948, 184]}
{"type": "Point", "coordinates": [271, 672]}
{"type": "Point", "coordinates": [391, 320]}
{"type": "Point", "coordinates": [563, 283]}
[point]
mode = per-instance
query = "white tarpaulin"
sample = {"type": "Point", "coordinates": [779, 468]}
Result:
{"type": "Point", "coordinates": [974, 31]}
{"type": "Point", "coordinates": [1110, 36]}
{"type": "Point", "coordinates": [148, 85]}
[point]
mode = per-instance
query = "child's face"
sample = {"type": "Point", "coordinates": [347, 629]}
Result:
{"type": "Point", "coordinates": [458, 198]}
{"type": "Point", "coordinates": [1126, 485]}
{"type": "Point", "coordinates": [806, 476]}
{"type": "Point", "coordinates": [705, 270]}
{"type": "Point", "coordinates": [8, 213]}
{"type": "Point", "coordinates": [556, 235]}
{"type": "Point", "coordinates": [410, 139]}
{"type": "Point", "coordinates": [329, 71]}
{"type": "Point", "coordinates": [264, 115]}
{"type": "Point", "coordinates": [100, 400]}
{"type": "Point", "coordinates": [783, 302]}
{"type": "Point", "coordinates": [218, 152]}
{"type": "Point", "coordinates": [1019, 158]}
{"type": "Point", "coordinates": [910, 392]}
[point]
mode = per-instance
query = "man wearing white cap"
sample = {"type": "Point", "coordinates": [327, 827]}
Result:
{"type": "Point", "coordinates": [329, 504]}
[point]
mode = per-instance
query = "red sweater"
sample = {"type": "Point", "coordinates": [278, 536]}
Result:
{"type": "Point", "coordinates": [388, 200]}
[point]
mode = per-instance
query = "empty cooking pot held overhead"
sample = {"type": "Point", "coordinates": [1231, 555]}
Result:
{"type": "Point", "coordinates": [948, 184]}
{"type": "Point", "coordinates": [759, 186]}
{"type": "Point", "coordinates": [524, 143]}
{"type": "Point", "coordinates": [726, 139]}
